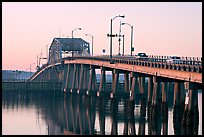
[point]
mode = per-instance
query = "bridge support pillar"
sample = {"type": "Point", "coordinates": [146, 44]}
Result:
{"type": "Point", "coordinates": [134, 85]}
{"type": "Point", "coordinates": [177, 94]}
{"type": "Point", "coordinates": [164, 92]}
{"type": "Point", "coordinates": [155, 96]}
{"type": "Point", "coordinates": [75, 80]}
{"type": "Point", "coordinates": [141, 81]}
{"type": "Point", "coordinates": [102, 86]}
{"type": "Point", "coordinates": [150, 89]}
{"type": "Point", "coordinates": [84, 78]}
{"type": "Point", "coordinates": [115, 81]}
{"type": "Point", "coordinates": [126, 81]}
{"type": "Point", "coordinates": [92, 81]}
{"type": "Point", "coordinates": [68, 77]}
{"type": "Point", "coordinates": [192, 98]}
{"type": "Point", "coordinates": [191, 113]}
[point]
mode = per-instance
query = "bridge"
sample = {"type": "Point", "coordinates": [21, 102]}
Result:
{"type": "Point", "coordinates": [71, 64]}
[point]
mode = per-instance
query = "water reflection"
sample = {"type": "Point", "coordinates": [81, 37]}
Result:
{"type": "Point", "coordinates": [79, 114]}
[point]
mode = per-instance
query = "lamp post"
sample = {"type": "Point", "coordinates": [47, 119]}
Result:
{"type": "Point", "coordinates": [112, 36]}
{"type": "Point", "coordinates": [131, 37]}
{"type": "Point", "coordinates": [92, 41]}
{"type": "Point", "coordinates": [73, 37]}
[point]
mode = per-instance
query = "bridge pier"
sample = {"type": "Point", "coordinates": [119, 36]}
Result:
{"type": "Point", "coordinates": [156, 90]}
{"type": "Point", "coordinates": [134, 84]}
{"type": "Point", "coordinates": [150, 88]}
{"type": "Point", "coordinates": [68, 77]}
{"type": "Point", "coordinates": [126, 81]}
{"type": "Point", "coordinates": [102, 86]}
{"type": "Point", "coordinates": [164, 92]}
{"type": "Point", "coordinates": [92, 86]}
{"type": "Point", "coordinates": [191, 113]}
{"type": "Point", "coordinates": [177, 94]}
{"type": "Point", "coordinates": [115, 75]}
{"type": "Point", "coordinates": [141, 83]}
{"type": "Point", "coordinates": [84, 78]}
{"type": "Point", "coordinates": [75, 80]}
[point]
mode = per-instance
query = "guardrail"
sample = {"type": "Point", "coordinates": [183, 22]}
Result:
{"type": "Point", "coordinates": [190, 64]}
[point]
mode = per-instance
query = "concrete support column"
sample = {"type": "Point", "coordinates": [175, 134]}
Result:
{"type": "Point", "coordinates": [86, 77]}
{"type": "Point", "coordinates": [115, 80]}
{"type": "Point", "coordinates": [150, 89]}
{"type": "Point", "coordinates": [155, 96]}
{"type": "Point", "coordinates": [75, 80]}
{"type": "Point", "coordinates": [164, 92]}
{"type": "Point", "coordinates": [191, 113]}
{"type": "Point", "coordinates": [193, 99]}
{"type": "Point", "coordinates": [141, 84]}
{"type": "Point", "coordinates": [82, 77]}
{"type": "Point", "coordinates": [126, 81]}
{"type": "Point", "coordinates": [177, 94]}
{"type": "Point", "coordinates": [134, 85]}
{"type": "Point", "coordinates": [102, 86]}
{"type": "Point", "coordinates": [92, 80]}
{"type": "Point", "coordinates": [70, 76]}
{"type": "Point", "coordinates": [66, 76]}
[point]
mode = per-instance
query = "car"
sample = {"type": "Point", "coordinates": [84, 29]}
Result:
{"type": "Point", "coordinates": [174, 60]}
{"type": "Point", "coordinates": [142, 56]}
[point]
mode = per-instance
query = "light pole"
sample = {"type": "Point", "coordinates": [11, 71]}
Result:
{"type": "Point", "coordinates": [131, 37]}
{"type": "Point", "coordinates": [73, 37]}
{"type": "Point", "coordinates": [112, 36]}
{"type": "Point", "coordinates": [92, 41]}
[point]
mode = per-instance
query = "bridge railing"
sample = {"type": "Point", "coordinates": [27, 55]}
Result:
{"type": "Point", "coordinates": [159, 62]}
{"type": "Point", "coordinates": [188, 63]}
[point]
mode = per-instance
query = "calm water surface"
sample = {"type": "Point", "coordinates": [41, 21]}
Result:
{"type": "Point", "coordinates": [53, 113]}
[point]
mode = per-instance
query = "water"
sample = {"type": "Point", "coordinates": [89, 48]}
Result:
{"type": "Point", "coordinates": [53, 113]}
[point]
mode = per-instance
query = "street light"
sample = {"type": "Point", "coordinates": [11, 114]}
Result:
{"type": "Point", "coordinates": [92, 41]}
{"type": "Point", "coordinates": [74, 30]}
{"type": "Point", "coordinates": [131, 37]}
{"type": "Point", "coordinates": [73, 37]}
{"type": "Point", "coordinates": [112, 36]}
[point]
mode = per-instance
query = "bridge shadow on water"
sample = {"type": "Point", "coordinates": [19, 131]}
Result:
{"type": "Point", "coordinates": [90, 114]}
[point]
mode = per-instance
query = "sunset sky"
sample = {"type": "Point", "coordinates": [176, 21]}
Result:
{"type": "Point", "coordinates": [160, 28]}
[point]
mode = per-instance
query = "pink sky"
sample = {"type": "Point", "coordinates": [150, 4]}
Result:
{"type": "Point", "coordinates": [166, 28]}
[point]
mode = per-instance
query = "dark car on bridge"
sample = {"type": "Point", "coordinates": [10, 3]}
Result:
{"type": "Point", "coordinates": [142, 56]}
